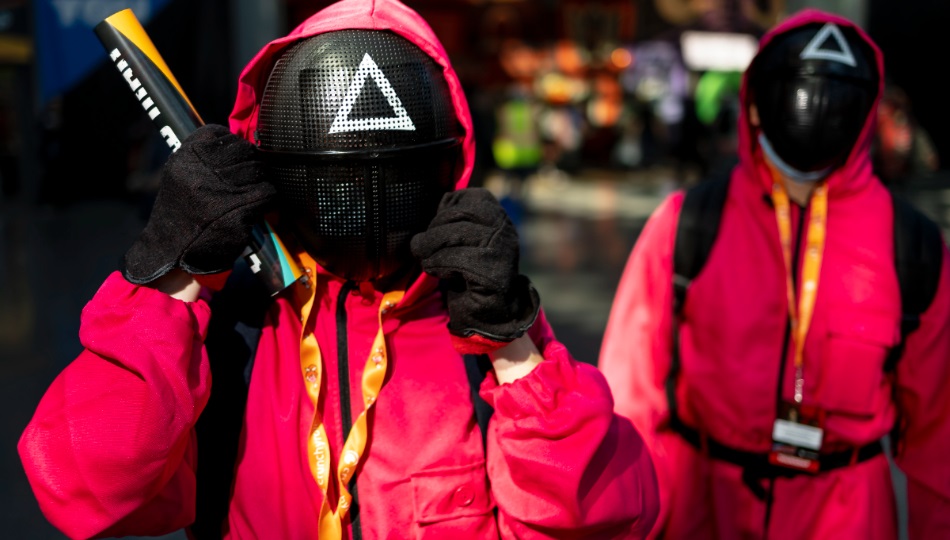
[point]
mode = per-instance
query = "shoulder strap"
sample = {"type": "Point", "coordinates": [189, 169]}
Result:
{"type": "Point", "coordinates": [476, 366]}
{"type": "Point", "coordinates": [918, 257]}
{"type": "Point", "coordinates": [695, 234]}
{"type": "Point", "coordinates": [697, 229]}
{"type": "Point", "coordinates": [233, 333]}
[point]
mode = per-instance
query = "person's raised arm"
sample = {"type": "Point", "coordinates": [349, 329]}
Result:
{"type": "Point", "coordinates": [110, 449]}
{"type": "Point", "coordinates": [561, 463]}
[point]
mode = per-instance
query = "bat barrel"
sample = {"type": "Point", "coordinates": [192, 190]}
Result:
{"type": "Point", "coordinates": [148, 77]}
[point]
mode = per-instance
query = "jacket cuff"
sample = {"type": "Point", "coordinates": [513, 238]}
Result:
{"type": "Point", "coordinates": [476, 344]}
{"type": "Point", "coordinates": [119, 305]}
{"type": "Point", "coordinates": [557, 384]}
{"type": "Point", "coordinates": [214, 282]}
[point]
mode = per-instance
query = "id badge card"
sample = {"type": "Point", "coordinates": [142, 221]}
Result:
{"type": "Point", "coordinates": [797, 435]}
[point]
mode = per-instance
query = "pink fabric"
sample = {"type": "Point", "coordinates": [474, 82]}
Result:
{"type": "Point", "coordinates": [110, 450]}
{"type": "Point", "coordinates": [103, 441]}
{"type": "Point", "coordinates": [734, 325]}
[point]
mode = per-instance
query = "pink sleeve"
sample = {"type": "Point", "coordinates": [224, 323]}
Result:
{"type": "Point", "coordinates": [109, 450]}
{"type": "Point", "coordinates": [635, 353]}
{"type": "Point", "coordinates": [561, 463]}
{"type": "Point", "coordinates": [923, 374]}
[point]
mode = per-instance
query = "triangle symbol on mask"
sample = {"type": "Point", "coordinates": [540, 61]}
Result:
{"type": "Point", "coordinates": [343, 122]}
{"type": "Point", "coordinates": [817, 47]}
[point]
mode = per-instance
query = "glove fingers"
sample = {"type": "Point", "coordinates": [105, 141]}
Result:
{"type": "Point", "coordinates": [467, 198]}
{"type": "Point", "coordinates": [221, 240]}
{"type": "Point", "coordinates": [213, 147]}
{"type": "Point", "coordinates": [212, 193]}
{"type": "Point", "coordinates": [425, 244]}
{"type": "Point", "coordinates": [492, 273]}
{"type": "Point", "coordinates": [483, 213]}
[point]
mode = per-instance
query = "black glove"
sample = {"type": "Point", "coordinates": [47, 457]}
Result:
{"type": "Point", "coordinates": [473, 247]}
{"type": "Point", "coordinates": [211, 195]}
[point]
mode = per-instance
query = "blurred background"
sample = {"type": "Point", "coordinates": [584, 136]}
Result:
{"type": "Point", "coordinates": [587, 113]}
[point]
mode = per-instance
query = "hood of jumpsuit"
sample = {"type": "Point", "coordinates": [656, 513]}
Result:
{"type": "Point", "coordinates": [856, 172]}
{"type": "Point", "coordinates": [380, 15]}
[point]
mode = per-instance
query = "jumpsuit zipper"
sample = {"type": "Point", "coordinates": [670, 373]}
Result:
{"type": "Point", "coordinates": [343, 374]}
{"type": "Point", "coordinates": [784, 355]}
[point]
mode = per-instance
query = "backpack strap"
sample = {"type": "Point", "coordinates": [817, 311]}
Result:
{"type": "Point", "coordinates": [234, 330]}
{"type": "Point", "coordinates": [695, 234]}
{"type": "Point", "coordinates": [476, 366]}
{"type": "Point", "coordinates": [696, 230]}
{"type": "Point", "coordinates": [918, 257]}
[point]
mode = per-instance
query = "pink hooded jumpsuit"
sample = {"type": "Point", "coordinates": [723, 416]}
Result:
{"type": "Point", "coordinates": [734, 352]}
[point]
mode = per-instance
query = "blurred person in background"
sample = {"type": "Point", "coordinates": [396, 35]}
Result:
{"type": "Point", "coordinates": [362, 416]}
{"type": "Point", "coordinates": [658, 84]}
{"type": "Point", "coordinates": [902, 148]}
{"type": "Point", "coordinates": [517, 145]}
{"type": "Point", "coordinates": [767, 379]}
{"type": "Point", "coordinates": [717, 106]}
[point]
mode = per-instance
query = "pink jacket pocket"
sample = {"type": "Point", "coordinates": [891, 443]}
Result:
{"type": "Point", "coordinates": [851, 378]}
{"type": "Point", "coordinates": [450, 493]}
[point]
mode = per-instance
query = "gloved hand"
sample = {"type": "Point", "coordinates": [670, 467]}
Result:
{"type": "Point", "coordinates": [472, 245]}
{"type": "Point", "coordinates": [211, 195]}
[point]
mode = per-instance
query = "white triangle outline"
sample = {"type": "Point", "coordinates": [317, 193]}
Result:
{"type": "Point", "coordinates": [343, 123]}
{"type": "Point", "coordinates": [814, 50]}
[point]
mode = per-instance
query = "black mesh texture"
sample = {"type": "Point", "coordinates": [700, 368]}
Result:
{"type": "Point", "coordinates": [313, 100]}
{"type": "Point", "coordinates": [781, 58]}
{"type": "Point", "coordinates": [357, 219]}
{"type": "Point", "coordinates": [361, 139]}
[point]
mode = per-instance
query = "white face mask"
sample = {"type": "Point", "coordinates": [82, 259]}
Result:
{"type": "Point", "coordinates": [787, 170]}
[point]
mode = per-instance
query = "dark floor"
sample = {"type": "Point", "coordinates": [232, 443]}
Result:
{"type": "Point", "coordinates": [577, 233]}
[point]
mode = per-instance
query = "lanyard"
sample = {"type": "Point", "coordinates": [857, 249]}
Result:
{"type": "Point", "coordinates": [318, 446]}
{"type": "Point", "coordinates": [801, 312]}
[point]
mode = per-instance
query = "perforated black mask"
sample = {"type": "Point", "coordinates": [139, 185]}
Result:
{"type": "Point", "coordinates": [361, 140]}
{"type": "Point", "coordinates": [814, 87]}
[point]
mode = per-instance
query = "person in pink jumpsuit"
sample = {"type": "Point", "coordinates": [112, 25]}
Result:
{"type": "Point", "coordinates": [780, 398]}
{"type": "Point", "coordinates": [353, 137]}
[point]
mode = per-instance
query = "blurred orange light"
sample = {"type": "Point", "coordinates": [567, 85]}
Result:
{"type": "Point", "coordinates": [568, 57]}
{"type": "Point", "coordinates": [621, 58]}
{"type": "Point", "coordinates": [558, 89]}
{"type": "Point", "coordinates": [519, 60]}
{"type": "Point", "coordinates": [604, 111]}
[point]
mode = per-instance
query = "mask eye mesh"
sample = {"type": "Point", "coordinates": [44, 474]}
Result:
{"type": "Point", "coordinates": [335, 192]}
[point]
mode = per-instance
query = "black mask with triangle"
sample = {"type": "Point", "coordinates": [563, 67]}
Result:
{"type": "Point", "coordinates": [814, 87]}
{"type": "Point", "coordinates": [359, 134]}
